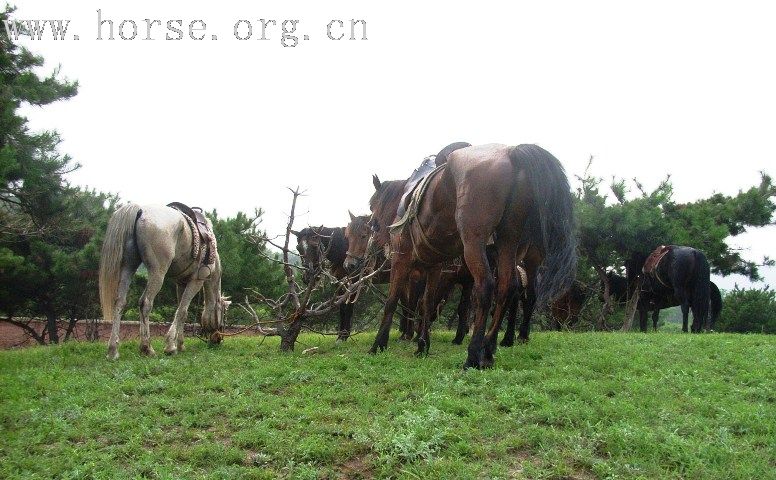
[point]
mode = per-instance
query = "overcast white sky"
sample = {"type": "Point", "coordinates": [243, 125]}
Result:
{"type": "Point", "coordinates": [647, 88]}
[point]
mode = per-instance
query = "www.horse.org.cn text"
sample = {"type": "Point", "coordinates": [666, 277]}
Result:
{"type": "Point", "coordinates": [285, 32]}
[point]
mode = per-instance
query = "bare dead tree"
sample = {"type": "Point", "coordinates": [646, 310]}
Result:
{"type": "Point", "coordinates": [631, 306]}
{"type": "Point", "coordinates": [28, 329]}
{"type": "Point", "coordinates": [296, 305]}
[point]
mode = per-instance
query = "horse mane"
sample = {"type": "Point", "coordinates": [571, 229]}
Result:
{"type": "Point", "coordinates": [390, 191]}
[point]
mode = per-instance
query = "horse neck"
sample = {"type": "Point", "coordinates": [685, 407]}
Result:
{"type": "Point", "coordinates": [331, 243]}
{"type": "Point", "coordinates": [389, 204]}
{"type": "Point", "coordinates": [212, 287]}
{"type": "Point", "coordinates": [337, 247]}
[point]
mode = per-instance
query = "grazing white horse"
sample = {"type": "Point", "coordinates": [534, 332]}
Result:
{"type": "Point", "coordinates": [160, 238]}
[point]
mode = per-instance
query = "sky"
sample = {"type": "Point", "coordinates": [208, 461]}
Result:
{"type": "Point", "coordinates": [646, 88]}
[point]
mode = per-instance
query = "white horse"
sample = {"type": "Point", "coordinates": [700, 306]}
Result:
{"type": "Point", "coordinates": [160, 238]}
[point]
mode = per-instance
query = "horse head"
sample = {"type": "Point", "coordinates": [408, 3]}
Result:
{"type": "Point", "coordinates": [213, 318]}
{"type": "Point", "coordinates": [384, 204]}
{"type": "Point", "coordinates": [358, 235]}
{"type": "Point", "coordinates": [311, 247]}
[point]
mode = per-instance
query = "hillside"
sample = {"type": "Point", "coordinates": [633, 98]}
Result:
{"type": "Point", "coordinates": [563, 406]}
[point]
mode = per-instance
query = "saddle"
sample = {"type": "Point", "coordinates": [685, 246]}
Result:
{"type": "Point", "coordinates": [413, 198]}
{"type": "Point", "coordinates": [651, 263]}
{"type": "Point", "coordinates": [203, 248]}
{"type": "Point", "coordinates": [426, 167]}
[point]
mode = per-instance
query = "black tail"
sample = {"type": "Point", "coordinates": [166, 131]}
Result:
{"type": "Point", "coordinates": [716, 304]}
{"type": "Point", "coordinates": [700, 288]}
{"type": "Point", "coordinates": [550, 223]}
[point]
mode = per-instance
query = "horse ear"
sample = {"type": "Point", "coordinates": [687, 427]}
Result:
{"type": "Point", "coordinates": [376, 182]}
{"type": "Point", "coordinates": [296, 233]}
{"type": "Point", "coordinates": [352, 217]}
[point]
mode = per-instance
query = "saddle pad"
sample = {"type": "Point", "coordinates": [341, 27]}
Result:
{"type": "Point", "coordinates": [202, 234]}
{"type": "Point", "coordinates": [651, 263]}
{"type": "Point", "coordinates": [426, 167]}
{"type": "Point", "coordinates": [416, 197]}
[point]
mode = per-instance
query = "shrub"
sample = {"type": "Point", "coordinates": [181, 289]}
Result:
{"type": "Point", "coordinates": [749, 310]}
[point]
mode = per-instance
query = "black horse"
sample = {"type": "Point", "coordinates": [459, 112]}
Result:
{"type": "Point", "coordinates": [680, 278]}
{"type": "Point", "coordinates": [316, 244]}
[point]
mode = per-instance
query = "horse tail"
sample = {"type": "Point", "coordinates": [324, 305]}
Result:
{"type": "Point", "coordinates": [120, 226]}
{"type": "Point", "coordinates": [701, 290]}
{"type": "Point", "coordinates": [550, 222]}
{"type": "Point", "coordinates": [716, 304]}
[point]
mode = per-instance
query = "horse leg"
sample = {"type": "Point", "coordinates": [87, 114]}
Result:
{"type": "Point", "coordinates": [411, 308]}
{"type": "Point", "coordinates": [173, 335]}
{"type": "Point", "coordinates": [406, 323]}
{"type": "Point", "coordinates": [124, 282]}
{"type": "Point", "coordinates": [505, 292]}
{"type": "Point", "coordinates": [477, 261]}
{"type": "Point", "coordinates": [346, 321]}
{"type": "Point", "coordinates": [400, 272]}
{"type": "Point", "coordinates": [532, 262]}
{"type": "Point", "coordinates": [509, 335]}
{"type": "Point", "coordinates": [655, 318]}
{"type": "Point", "coordinates": [685, 313]}
{"type": "Point", "coordinates": [643, 319]}
{"type": "Point", "coordinates": [529, 302]}
{"type": "Point", "coordinates": [431, 299]}
{"type": "Point", "coordinates": [463, 313]}
{"type": "Point", "coordinates": [402, 322]}
{"type": "Point", "coordinates": [155, 281]}
{"type": "Point", "coordinates": [179, 288]}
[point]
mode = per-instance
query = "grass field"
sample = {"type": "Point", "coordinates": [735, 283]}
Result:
{"type": "Point", "coordinates": [564, 406]}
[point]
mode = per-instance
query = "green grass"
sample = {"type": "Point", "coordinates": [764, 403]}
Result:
{"type": "Point", "coordinates": [564, 406]}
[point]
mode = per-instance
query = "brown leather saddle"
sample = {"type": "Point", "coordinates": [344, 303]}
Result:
{"type": "Point", "coordinates": [203, 239]}
{"type": "Point", "coordinates": [651, 263]}
{"type": "Point", "coordinates": [418, 175]}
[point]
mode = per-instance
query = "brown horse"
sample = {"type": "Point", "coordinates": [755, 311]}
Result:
{"type": "Point", "coordinates": [518, 196]}
{"type": "Point", "coordinates": [565, 311]}
{"type": "Point", "coordinates": [358, 237]}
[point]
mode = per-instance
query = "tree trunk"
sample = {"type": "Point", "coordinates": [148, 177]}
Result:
{"type": "Point", "coordinates": [289, 334]}
{"type": "Point", "coordinates": [51, 326]}
{"type": "Point", "coordinates": [631, 307]}
{"type": "Point", "coordinates": [607, 307]}
{"type": "Point", "coordinates": [92, 330]}
{"type": "Point", "coordinates": [70, 328]}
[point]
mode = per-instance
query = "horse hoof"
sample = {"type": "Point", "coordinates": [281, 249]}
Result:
{"type": "Point", "coordinates": [147, 351]}
{"type": "Point", "coordinates": [472, 362]}
{"type": "Point", "coordinates": [181, 347]}
{"type": "Point", "coordinates": [112, 355]}
{"type": "Point", "coordinates": [469, 364]}
{"type": "Point", "coordinates": [341, 339]}
{"type": "Point", "coordinates": [457, 341]}
{"type": "Point", "coordinates": [507, 343]}
{"type": "Point", "coordinates": [170, 351]}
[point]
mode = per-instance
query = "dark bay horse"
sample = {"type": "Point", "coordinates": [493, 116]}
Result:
{"type": "Point", "coordinates": [565, 311]}
{"type": "Point", "coordinates": [655, 301]}
{"type": "Point", "coordinates": [358, 233]}
{"type": "Point", "coordinates": [681, 272]}
{"type": "Point", "coordinates": [517, 196]}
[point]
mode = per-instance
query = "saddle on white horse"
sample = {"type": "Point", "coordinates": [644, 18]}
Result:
{"type": "Point", "coordinates": [203, 248]}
